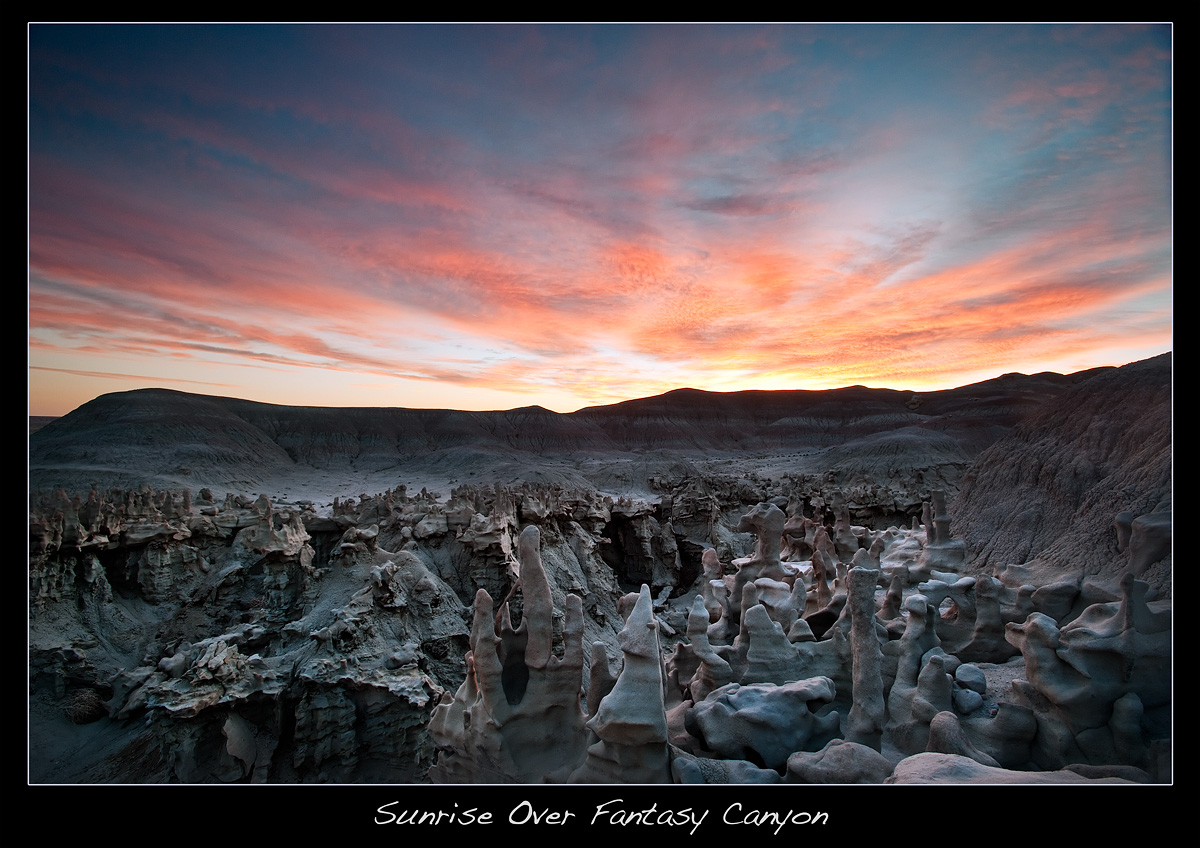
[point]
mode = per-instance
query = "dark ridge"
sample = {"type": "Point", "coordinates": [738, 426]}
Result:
{"type": "Point", "coordinates": [37, 422]}
{"type": "Point", "coordinates": [167, 437]}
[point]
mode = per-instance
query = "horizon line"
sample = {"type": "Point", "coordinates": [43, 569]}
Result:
{"type": "Point", "coordinates": [31, 414]}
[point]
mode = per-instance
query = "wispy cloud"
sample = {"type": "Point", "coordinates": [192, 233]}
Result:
{"type": "Point", "coordinates": [581, 214]}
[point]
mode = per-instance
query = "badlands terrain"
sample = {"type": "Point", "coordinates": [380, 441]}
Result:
{"type": "Point", "coordinates": [964, 586]}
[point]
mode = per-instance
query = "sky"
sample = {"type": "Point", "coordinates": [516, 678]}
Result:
{"type": "Point", "coordinates": [495, 216]}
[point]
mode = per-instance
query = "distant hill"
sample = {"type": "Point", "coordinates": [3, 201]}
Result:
{"type": "Point", "coordinates": [37, 422]}
{"type": "Point", "coordinates": [170, 438]}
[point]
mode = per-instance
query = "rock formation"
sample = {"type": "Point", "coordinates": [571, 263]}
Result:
{"type": "Point", "coordinates": [772, 624]}
{"type": "Point", "coordinates": [517, 717]}
{"type": "Point", "coordinates": [1096, 683]}
{"type": "Point", "coordinates": [300, 652]}
{"type": "Point", "coordinates": [630, 722]}
{"type": "Point", "coordinates": [765, 723]}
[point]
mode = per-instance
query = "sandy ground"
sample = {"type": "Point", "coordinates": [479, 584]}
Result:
{"type": "Point", "coordinates": [320, 487]}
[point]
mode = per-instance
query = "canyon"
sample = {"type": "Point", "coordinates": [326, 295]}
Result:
{"type": "Point", "coordinates": [971, 585]}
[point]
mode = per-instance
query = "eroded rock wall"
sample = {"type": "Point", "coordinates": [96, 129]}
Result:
{"type": "Point", "coordinates": [1048, 494]}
